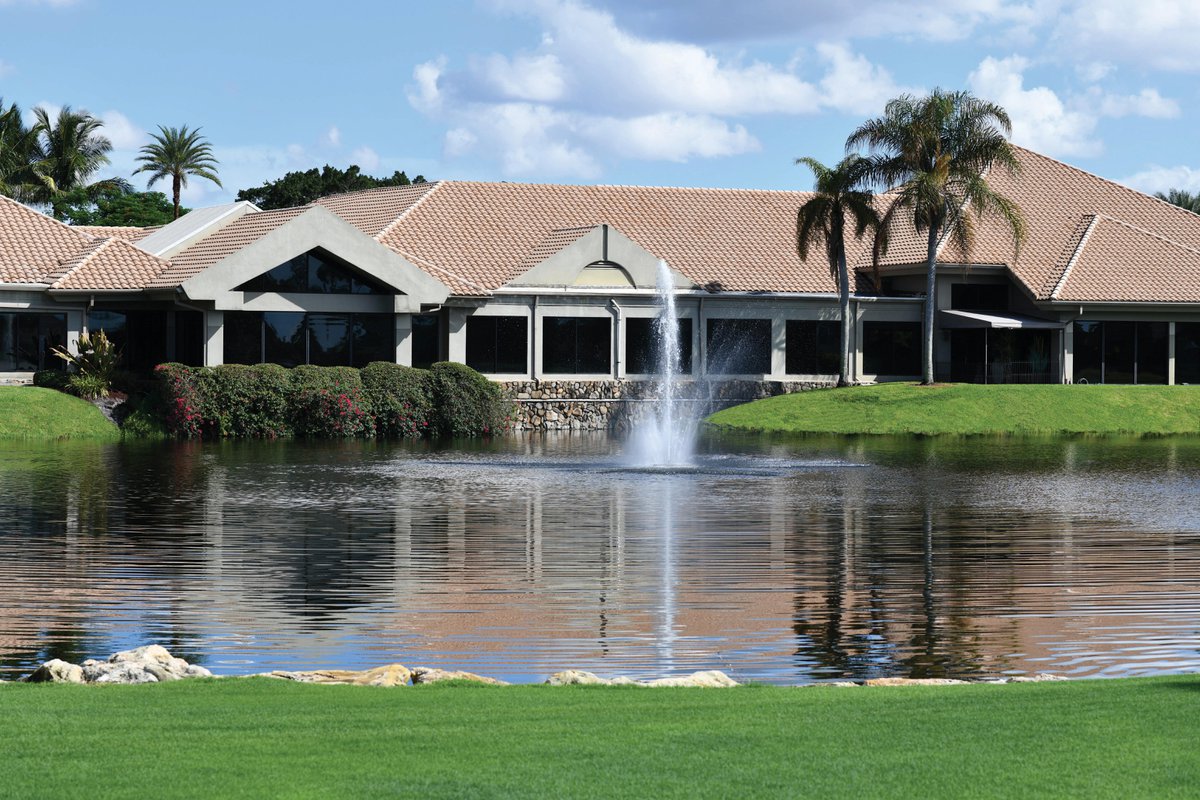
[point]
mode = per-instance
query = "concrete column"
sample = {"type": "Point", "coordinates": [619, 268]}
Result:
{"type": "Point", "coordinates": [618, 344]}
{"type": "Point", "coordinates": [856, 369]}
{"type": "Point", "coordinates": [457, 335]}
{"type": "Point", "coordinates": [76, 324]}
{"type": "Point", "coordinates": [404, 339]}
{"type": "Point", "coordinates": [1067, 371]}
{"type": "Point", "coordinates": [1171, 353]}
{"type": "Point", "coordinates": [214, 338]}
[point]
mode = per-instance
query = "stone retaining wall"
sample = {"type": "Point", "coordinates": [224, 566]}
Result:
{"type": "Point", "coordinates": [615, 405]}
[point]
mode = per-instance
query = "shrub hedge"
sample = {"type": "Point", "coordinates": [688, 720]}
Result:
{"type": "Point", "coordinates": [383, 399]}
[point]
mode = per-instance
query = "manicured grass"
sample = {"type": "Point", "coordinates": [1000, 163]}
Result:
{"type": "Point", "coordinates": [899, 408]}
{"type": "Point", "coordinates": [29, 412]}
{"type": "Point", "coordinates": [259, 738]}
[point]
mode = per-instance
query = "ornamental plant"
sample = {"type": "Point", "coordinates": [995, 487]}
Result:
{"type": "Point", "coordinates": [465, 403]}
{"type": "Point", "coordinates": [399, 399]}
{"type": "Point", "coordinates": [94, 364]}
{"type": "Point", "coordinates": [333, 414]}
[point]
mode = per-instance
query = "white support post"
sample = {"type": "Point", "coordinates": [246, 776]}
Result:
{"type": "Point", "coordinates": [214, 338]}
{"type": "Point", "coordinates": [404, 339]}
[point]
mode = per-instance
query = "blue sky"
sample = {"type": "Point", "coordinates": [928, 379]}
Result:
{"type": "Point", "coordinates": [673, 92]}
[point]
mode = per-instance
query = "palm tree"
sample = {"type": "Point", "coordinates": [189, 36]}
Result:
{"type": "Point", "coordinates": [1178, 197]}
{"type": "Point", "coordinates": [936, 152]}
{"type": "Point", "coordinates": [178, 153]}
{"type": "Point", "coordinates": [70, 150]}
{"type": "Point", "coordinates": [838, 196]}
{"type": "Point", "coordinates": [18, 151]}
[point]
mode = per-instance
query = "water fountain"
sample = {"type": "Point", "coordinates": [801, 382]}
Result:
{"type": "Point", "coordinates": [665, 439]}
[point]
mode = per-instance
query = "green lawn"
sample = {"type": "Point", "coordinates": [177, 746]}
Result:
{"type": "Point", "coordinates": [259, 738]}
{"type": "Point", "coordinates": [28, 412]}
{"type": "Point", "coordinates": [900, 408]}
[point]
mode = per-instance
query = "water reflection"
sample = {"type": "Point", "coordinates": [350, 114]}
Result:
{"type": "Point", "coordinates": [815, 559]}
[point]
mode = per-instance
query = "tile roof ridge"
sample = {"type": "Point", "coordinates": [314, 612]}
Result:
{"type": "Point", "coordinates": [423, 263]}
{"type": "Point", "coordinates": [1151, 233]}
{"type": "Point", "coordinates": [97, 245]}
{"type": "Point", "coordinates": [533, 185]}
{"type": "Point", "coordinates": [392, 225]}
{"type": "Point", "coordinates": [1083, 240]}
{"type": "Point", "coordinates": [374, 190]}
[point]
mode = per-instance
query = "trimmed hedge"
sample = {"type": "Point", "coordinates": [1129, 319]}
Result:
{"type": "Point", "coordinates": [267, 401]}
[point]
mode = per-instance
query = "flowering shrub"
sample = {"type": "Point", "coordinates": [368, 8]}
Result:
{"type": "Point", "coordinates": [252, 402]}
{"type": "Point", "coordinates": [465, 403]}
{"type": "Point", "coordinates": [332, 414]}
{"type": "Point", "coordinates": [399, 399]}
{"type": "Point", "coordinates": [186, 398]}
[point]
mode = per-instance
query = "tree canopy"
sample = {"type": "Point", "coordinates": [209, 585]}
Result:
{"type": "Point", "coordinates": [176, 153]}
{"type": "Point", "coordinates": [1178, 197]}
{"type": "Point", "coordinates": [301, 188]}
{"type": "Point", "coordinates": [111, 206]}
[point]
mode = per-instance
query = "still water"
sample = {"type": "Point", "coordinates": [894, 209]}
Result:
{"type": "Point", "coordinates": [819, 559]}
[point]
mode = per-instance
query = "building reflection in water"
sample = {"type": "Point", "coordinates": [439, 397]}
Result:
{"type": "Point", "coordinates": [848, 559]}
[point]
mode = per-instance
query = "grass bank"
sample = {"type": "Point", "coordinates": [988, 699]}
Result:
{"type": "Point", "coordinates": [261, 738]}
{"type": "Point", "coordinates": [965, 409]}
{"type": "Point", "coordinates": [29, 412]}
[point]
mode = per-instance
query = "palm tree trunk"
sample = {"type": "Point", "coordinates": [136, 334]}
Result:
{"type": "Point", "coordinates": [844, 302]}
{"type": "Point", "coordinates": [927, 317]}
{"type": "Point", "coordinates": [175, 188]}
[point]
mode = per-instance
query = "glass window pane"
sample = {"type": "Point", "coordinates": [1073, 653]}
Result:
{"type": "Point", "coordinates": [243, 337]}
{"type": "Point", "coordinates": [512, 344]}
{"type": "Point", "coordinates": [576, 345]}
{"type": "Point", "coordinates": [1152, 352]}
{"type": "Point", "coordinates": [739, 346]}
{"type": "Point", "coordinates": [284, 338]}
{"type": "Point", "coordinates": [811, 347]}
{"type": "Point", "coordinates": [426, 340]}
{"type": "Point", "coordinates": [325, 277]}
{"type": "Point", "coordinates": [643, 345]}
{"type": "Point", "coordinates": [558, 345]}
{"type": "Point", "coordinates": [189, 338]}
{"type": "Point", "coordinates": [8, 341]}
{"type": "Point", "coordinates": [329, 340]}
{"type": "Point", "coordinates": [1187, 351]}
{"type": "Point", "coordinates": [1088, 352]}
{"type": "Point", "coordinates": [374, 338]}
{"type": "Point", "coordinates": [481, 343]}
{"type": "Point", "coordinates": [28, 344]}
{"type": "Point", "coordinates": [892, 348]}
{"type": "Point", "coordinates": [594, 345]}
{"type": "Point", "coordinates": [1120, 351]}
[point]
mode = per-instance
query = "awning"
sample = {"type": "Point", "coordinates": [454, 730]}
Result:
{"type": "Point", "coordinates": [954, 318]}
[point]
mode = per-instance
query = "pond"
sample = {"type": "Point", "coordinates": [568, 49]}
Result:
{"type": "Point", "coordinates": [815, 559]}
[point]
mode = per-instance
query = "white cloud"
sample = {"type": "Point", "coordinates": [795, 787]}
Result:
{"type": "Point", "coordinates": [1160, 34]}
{"type": "Point", "coordinates": [51, 3]}
{"type": "Point", "coordinates": [332, 137]}
{"type": "Point", "coordinates": [1160, 179]}
{"type": "Point", "coordinates": [1040, 119]}
{"type": "Point", "coordinates": [366, 158]}
{"type": "Point", "coordinates": [852, 83]}
{"type": "Point", "coordinates": [1146, 103]}
{"type": "Point", "coordinates": [123, 133]}
{"type": "Point", "coordinates": [671, 136]}
{"type": "Point", "coordinates": [6, 68]}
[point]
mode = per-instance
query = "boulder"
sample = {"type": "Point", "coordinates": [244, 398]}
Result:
{"type": "Point", "coordinates": [1041, 677]}
{"type": "Point", "coordinates": [710, 679]}
{"type": "Point", "coordinates": [56, 671]}
{"type": "Point", "coordinates": [158, 661]}
{"type": "Point", "coordinates": [913, 682]}
{"type": "Point", "coordinates": [434, 675]}
{"type": "Point", "coordinates": [388, 675]}
{"type": "Point", "coordinates": [116, 672]}
{"type": "Point", "coordinates": [576, 677]}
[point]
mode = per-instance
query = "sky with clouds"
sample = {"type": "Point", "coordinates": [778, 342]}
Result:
{"type": "Point", "coordinates": [666, 92]}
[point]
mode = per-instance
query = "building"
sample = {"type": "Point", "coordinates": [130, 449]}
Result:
{"type": "Point", "coordinates": [540, 284]}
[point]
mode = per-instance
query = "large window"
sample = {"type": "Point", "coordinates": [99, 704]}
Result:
{"type": "Point", "coordinates": [892, 348]}
{"type": "Point", "coordinates": [291, 338]}
{"type": "Point", "coordinates": [979, 296]}
{"type": "Point", "coordinates": [739, 346]}
{"type": "Point", "coordinates": [1120, 352]}
{"type": "Point", "coordinates": [314, 272]}
{"type": "Point", "coordinates": [1187, 352]}
{"type": "Point", "coordinates": [644, 345]}
{"type": "Point", "coordinates": [26, 341]}
{"type": "Point", "coordinates": [576, 345]}
{"type": "Point", "coordinates": [813, 347]}
{"type": "Point", "coordinates": [426, 340]}
{"type": "Point", "coordinates": [498, 345]}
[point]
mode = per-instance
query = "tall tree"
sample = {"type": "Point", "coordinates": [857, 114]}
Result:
{"type": "Point", "coordinates": [1178, 197]}
{"type": "Point", "coordinates": [112, 206]}
{"type": "Point", "coordinates": [301, 188]}
{"type": "Point", "coordinates": [935, 153]}
{"type": "Point", "coordinates": [18, 152]}
{"type": "Point", "coordinates": [71, 149]}
{"type": "Point", "coordinates": [840, 195]}
{"type": "Point", "coordinates": [177, 153]}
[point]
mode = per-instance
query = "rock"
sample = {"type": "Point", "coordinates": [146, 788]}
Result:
{"type": "Point", "coordinates": [913, 682]}
{"type": "Point", "coordinates": [119, 672]}
{"type": "Point", "coordinates": [576, 677]}
{"type": "Point", "coordinates": [433, 675]}
{"type": "Point", "coordinates": [156, 660]}
{"type": "Point", "coordinates": [388, 675]}
{"type": "Point", "coordinates": [56, 671]}
{"type": "Point", "coordinates": [711, 679]}
{"type": "Point", "coordinates": [1041, 677]}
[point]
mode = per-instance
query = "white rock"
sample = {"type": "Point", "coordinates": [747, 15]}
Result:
{"type": "Point", "coordinates": [710, 679]}
{"type": "Point", "coordinates": [576, 677]}
{"type": "Point", "coordinates": [56, 671]}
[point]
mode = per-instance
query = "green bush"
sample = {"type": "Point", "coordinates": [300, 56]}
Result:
{"type": "Point", "coordinates": [94, 362]}
{"type": "Point", "coordinates": [251, 402]}
{"type": "Point", "coordinates": [87, 385]}
{"type": "Point", "coordinates": [145, 419]}
{"type": "Point", "coordinates": [398, 397]}
{"type": "Point", "coordinates": [336, 379]}
{"type": "Point", "coordinates": [332, 414]}
{"type": "Point", "coordinates": [52, 379]}
{"type": "Point", "coordinates": [465, 403]}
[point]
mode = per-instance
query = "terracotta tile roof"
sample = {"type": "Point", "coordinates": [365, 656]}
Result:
{"type": "Point", "coordinates": [1059, 203]}
{"type": "Point", "coordinates": [33, 245]}
{"type": "Point", "coordinates": [726, 239]}
{"type": "Point", "coordinates": [224, 242]}
{"type": "Point", "coordinates": [373, 210]}
{"type": "Point", "coordinates": [1152, 267]}
{"type": "Point", "coordinates": [108, 264]}
{"type": "Point", "coordinates": [129, 233]}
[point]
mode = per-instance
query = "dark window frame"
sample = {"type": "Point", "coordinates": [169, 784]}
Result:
{"type": "Point", "coordinates": [354, 323]}
{"type": "Point", "coordinates": [561, 348]}
{"type": "Point", "coordinates": [638, 355]}
{"type": "Point", "coordinates": [490, 344]}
